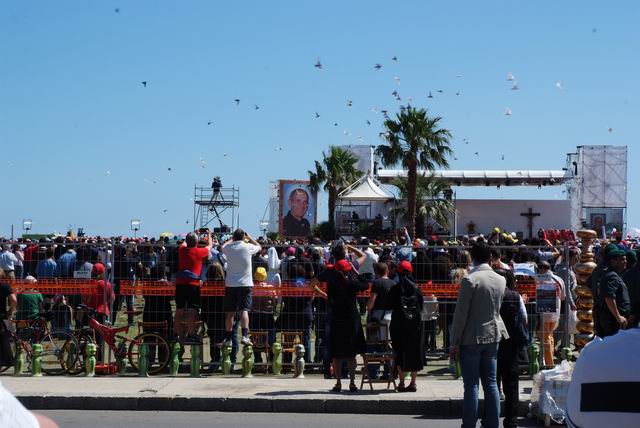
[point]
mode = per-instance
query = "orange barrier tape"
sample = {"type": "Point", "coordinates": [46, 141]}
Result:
{"type": "Point", "coordinates": [217, 288]}
{"type": "Point", "coordinates": [54, 286]}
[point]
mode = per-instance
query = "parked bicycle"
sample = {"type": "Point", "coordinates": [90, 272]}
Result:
{"type": "Point", "coordinates": [121, 345]}
{"type": "Point", "coordinates": [59, 348]}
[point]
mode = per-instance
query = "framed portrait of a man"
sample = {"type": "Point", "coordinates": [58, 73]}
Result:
{"type": "Point", "coordinates": [297, 208]}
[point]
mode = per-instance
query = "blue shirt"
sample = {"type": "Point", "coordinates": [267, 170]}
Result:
{"type": "Point", "coordinates": [46, 269]}
{"type": "Point", "coordinates": [66, 265]}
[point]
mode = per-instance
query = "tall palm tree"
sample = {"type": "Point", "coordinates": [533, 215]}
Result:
{"type": "Point", "coordinates": [414, 140]}
{"type": "Point", "coordinates": [336, 172]}
{"type": "Point", "coordinates": [430, 201]}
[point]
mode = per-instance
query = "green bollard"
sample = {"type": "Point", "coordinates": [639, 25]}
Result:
{"type": "Point", "coordinates": [247, 361]}
{"type": "Point", "coordinates": [18, 366]}
{"type": "Point", "coordinates": [567, 354]}
{"type": "Point", "coordinates": [298, 363]}
{"type": "Point", "coordinates": [121, 362]}
{"type": "Point", "coordinates": [90, 360]}
{"type": "Point", "coordinates": [36, 364]}
{"type": "Point", "coordinates": [534, 353]}
{"type": "Point", "coordinates": [175, 358]}
{"type": "Point", "coordinates": [458, 371]}
{"type": "Point", "coordinates": [276, 364]}
{"type": "Point", "coordinates": [226, 360]}
{"type": "Point", "coordinates": [143, 360]}
{"type": "Point", "coordinates": [196, 360]}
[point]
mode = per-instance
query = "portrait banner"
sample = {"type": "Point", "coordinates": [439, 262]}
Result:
{"type": "Point", "coordinates": [298, 208]}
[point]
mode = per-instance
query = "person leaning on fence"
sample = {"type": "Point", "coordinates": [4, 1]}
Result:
{"type": "Point", "coordinates": [346, 336]}
{"type": "Point", "coordinates": [475, 333]}
{"type": "Point", "coordinates": [238, 283]}
{"type": "Point", "coordinates": [405, 299]}
{"type": "Point", "coordinates": [190, 258]}
{"type": "Point", "coordinates": [8, 305]}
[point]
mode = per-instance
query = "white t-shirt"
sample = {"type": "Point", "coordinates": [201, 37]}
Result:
{"type": "Point", "coordinates": [238, 255]}
{"type": "Point", "coordinates": [13, 414]}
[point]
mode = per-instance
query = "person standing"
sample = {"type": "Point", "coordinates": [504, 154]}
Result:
{"type": "Point", "coordinates": [550, 320]}
{"type": "Point", "coordinates": [190, 258]}
{"type": "Point", "coordinates": [613, 296]}
{"type": "Point", "coordinates": [238, 283]}
{"type": "Point", "coordinates": [8, 261]}
{"type": "Point", "coordinates": [475, 333]}
{"type": "Point", "coordinates": [405, 298]}
{"type": "Point", "coordinates": [8, 305]}
{"type": "Point", "coordinates": [631, 279]}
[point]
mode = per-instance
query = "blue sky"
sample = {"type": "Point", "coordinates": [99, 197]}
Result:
{"type": "Point", "coordinates": [83, 141]}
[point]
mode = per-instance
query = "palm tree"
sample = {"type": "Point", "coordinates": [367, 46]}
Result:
{"type": "Point", "coordinates": [414, 141]}
{"type": "Point", "coordinates": [430, 201]}
{"type": "Point", "coordinates": [336, 171]}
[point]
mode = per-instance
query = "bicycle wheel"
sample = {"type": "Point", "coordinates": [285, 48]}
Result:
{"type": "Point", "coordinates": [159, 352]}
{"type": "Point", "coordinates": [82, 340]}
{"type": "Point", "coordinates": [59, 352]}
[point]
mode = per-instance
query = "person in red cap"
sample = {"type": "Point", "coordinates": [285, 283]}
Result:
{"type": "Point", "coordinates": [406, 301]}
{"type": "Point", "coordinates": [101, 300]}
{"type": "Point", "coordinates": [346, 336]}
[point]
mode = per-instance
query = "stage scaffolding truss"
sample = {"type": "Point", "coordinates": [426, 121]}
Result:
{"type": "Point", "coordinates": [216, 208]}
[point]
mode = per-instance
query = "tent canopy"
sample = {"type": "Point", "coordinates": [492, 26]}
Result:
{"type": "Point", "coordinates": [365, 189]}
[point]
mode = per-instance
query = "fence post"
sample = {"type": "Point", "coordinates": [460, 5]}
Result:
{"type": "Point", "coordinates": [18, 367]}
{"type": "Point", "coordinates": [298, 364]}
{"type": "Point", "coordinates": [226, 359]}
{"type": "Point", "coordinates": [276, 365]}
{"type": "Point", "coordinates": [175, 358]}
{"type": "Point", "coordinates": [143, 360]}
{"type": "Point", "coordinates": [36, 364]}
{"type": "Point", "coordinates": [247, 361]}
{"type": "Point", "coordinates": [196, 359]}
{"type": "Point", "coordinates": [90, 360]}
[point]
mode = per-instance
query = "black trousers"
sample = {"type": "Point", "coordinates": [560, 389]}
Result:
{"type": "Point", "coordinates": [508, 373]}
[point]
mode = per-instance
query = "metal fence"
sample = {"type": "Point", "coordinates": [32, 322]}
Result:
{"type": "Point", "coordinates": [284, 308]}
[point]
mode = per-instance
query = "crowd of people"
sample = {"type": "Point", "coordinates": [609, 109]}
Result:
{"type": "Point", "coordinates": [486, 332]}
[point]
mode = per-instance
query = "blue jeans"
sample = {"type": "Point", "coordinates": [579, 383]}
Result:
{"type": "Point", "coordinates": [479, 362]}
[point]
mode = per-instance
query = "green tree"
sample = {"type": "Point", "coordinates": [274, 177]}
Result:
{"type": "Point", "coordinates": [414, 140]}
{"type": "Point", "coordinates": [430, 201]}
{"type": "Point", "coordinates": [336, 172]}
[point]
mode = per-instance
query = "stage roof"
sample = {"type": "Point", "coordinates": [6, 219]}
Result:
{"type": "Point", "coordinates": [365, 189]}
{"type": "Point", "coordinates": [489, 177]}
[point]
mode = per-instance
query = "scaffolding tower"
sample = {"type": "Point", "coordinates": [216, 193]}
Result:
{"type": "Point", "coordinates": [216, 208]}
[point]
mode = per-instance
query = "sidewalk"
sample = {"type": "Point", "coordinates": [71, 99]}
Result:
{"type": "Point", "coordinates": [435, 396]}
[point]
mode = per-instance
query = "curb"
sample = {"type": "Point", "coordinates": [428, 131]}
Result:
{"type": "Point", "coordinates": [436, 408]}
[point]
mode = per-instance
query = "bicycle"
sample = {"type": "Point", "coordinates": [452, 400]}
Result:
{"type": "Point", "coordinates": [59, 348]}
{"type": "Point", "coordinates": [122, 346]}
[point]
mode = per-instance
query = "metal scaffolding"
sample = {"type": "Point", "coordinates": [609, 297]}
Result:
{"type": "Point", "coordinates": [217, 205]}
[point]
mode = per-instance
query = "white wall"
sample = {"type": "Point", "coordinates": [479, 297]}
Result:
{"type": "Point", "coordinates": [505, 214]}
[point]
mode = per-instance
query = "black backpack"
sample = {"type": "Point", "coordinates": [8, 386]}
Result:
{"type": "Point", "coordinates": [409, 302]}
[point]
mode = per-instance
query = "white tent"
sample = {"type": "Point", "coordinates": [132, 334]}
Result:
{"type": "Point", "coordinates": [365, 189]}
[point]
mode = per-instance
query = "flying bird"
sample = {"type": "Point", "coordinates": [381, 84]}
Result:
{"type": "Point", "coordinates": [559, 85]}
{"type": "Point", "coordinates": [477, 154]}
{"type": "Point", "coordinates": [108, 172]}
{"type": "Point", "coordinates": [458, 94]}
{"type": "Point", "coordinates": [169, 169]}
{"type": "Point", "coordinates": [515, 86]}
{"type": "Point", "coordinates": [278, 149]}
{"type": "Point", "coordinates": [209, 123]}
{"type": "Point", "coordinates": [502, 157]}
{"type": "Point", "coordinates": [440, 91]}
{"type": "Point", "coordinates": [116, 10]}
{"type": "Point", "coordinates": [317, 115]}
{"type": "Point", "coordinates": [395, 58]}
{"type": "Point", "coordinates": [508, 112]}
{"type": "Point", "coordinates": [335, 124]}
{"type": "Point", "coordinates": [368, 123]}
{"type": "Point", "coordinates": [164, 211]}
{"type": "Point", "coordinates": [187, 222]}
{"type": "Point", "coordinates": [377, 66]}
{"type": "Point", "coordinates": [430, 95]}
{"type": "Point", "coordinates": [610, 130]}
{"type": "Point", "coordinates": [318, 64]}
{"type": "Point", "coordinates": [397, 79]}
{"type": "Point", "coordinates": [256, 107]}
{"type": "Point", "coordinates": [144, 83]}
{"type": "Point", "coordinates": [458, 75]}
{"type": "Point", "coordinates": [237, 100]}
{"type": "Point", "coordinates": [349, 103]}
{"type": "Point", "coordinates": [510, 77]}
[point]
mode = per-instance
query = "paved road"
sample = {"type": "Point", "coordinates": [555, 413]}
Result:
{"type": "Point", "coordinates": [135, 419]}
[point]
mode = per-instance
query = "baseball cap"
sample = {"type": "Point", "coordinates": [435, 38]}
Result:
{"type": "Point", "coordinates": [405, 267]}
{"type": "Point", "coordinates": [343, 265]}
{"type": "Point", "coordinates": [98, 269]}
{"type": "Point", "coordinates": [260, 274]}
{"type": "Point", "coordinates": [291, 251]}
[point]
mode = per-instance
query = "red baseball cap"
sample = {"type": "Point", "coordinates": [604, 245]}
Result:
{"type": "Point", "coordinates": [404, 266]}
{"type": "Point", "coordinates": [343, 265]}
{"type": "Point", "coordinates": [98, 269]}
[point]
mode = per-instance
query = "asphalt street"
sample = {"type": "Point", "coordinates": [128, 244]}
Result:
{"type": "Point", "coordinates": [135, 419]}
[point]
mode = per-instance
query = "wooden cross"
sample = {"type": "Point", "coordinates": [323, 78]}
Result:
{"type": "Point", "coordinates": [530, 215]}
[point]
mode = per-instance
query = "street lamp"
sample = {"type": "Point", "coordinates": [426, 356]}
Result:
{"type": "Point", "coordinates": [135, 226]}
{"type": "Point", "coordinates": [26, 225]}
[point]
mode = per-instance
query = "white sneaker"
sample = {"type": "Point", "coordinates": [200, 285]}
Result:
{"type": "Point", "coordinates": [246, 341]}
{"type": "Point", "coordinates": [226, 342]}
